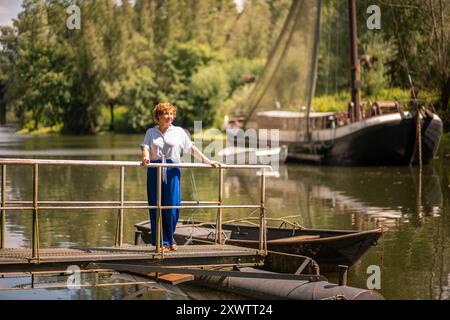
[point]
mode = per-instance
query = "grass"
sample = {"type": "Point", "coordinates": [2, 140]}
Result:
{"type": "Point", "coordinates": [41, 130]}
{"type": "Point", "coordinates": [209, 135]}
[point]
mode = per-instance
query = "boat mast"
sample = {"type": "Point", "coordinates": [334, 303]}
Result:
{"type": "Point", "coordinates": [355, 66]}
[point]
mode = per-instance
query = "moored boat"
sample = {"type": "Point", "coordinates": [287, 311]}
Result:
{"type": "Point", "coordinates": [367, 134]}
{"type": "Point", "coordinates": [384, 138]}
{"type": "Point", "coordinates": [329, 248]}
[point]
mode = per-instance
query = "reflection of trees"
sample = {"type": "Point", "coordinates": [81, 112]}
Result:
{"type": "Point", "coordinates": [386, 193]}
{"type": "Point", "coordinates": [416, 255]}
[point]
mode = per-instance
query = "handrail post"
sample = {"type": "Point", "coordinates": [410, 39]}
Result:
{"type": "Point", "coordinates": [3, 212]}
{"type": "Point", "coordinates": [158, 236]}
{"type": "Point", "coordinates": [119, 226]}
{"type": "Point", "coordinates": [35, 241]}
{"type": "Point", "coordinates": [262, 216]}
{"type": "Point", "coordinates": [219, 210]}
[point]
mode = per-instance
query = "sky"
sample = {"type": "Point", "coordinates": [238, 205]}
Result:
{"type": "Point", "coordinates": [10, 8]}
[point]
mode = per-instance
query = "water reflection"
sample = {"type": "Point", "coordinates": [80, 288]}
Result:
{"type": "Point", "coordinates": [414, 255]}
{"type": "Point", "coordinates": [104, 286]}
{"type": "Point", "coordinates": [382, 196]}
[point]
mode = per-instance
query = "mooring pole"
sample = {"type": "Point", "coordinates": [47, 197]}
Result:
{"type": "Point", "coordinates": [219, 210]}
{"type": "Point", "coordinates": [262, 215]}
{"type": "Point", "coordinates": [35, 249]}
{"type": "Point", "coordinates": [3, 212]}
{"type": "Point", "coordinates": [355, 65]}
{"type": "Point", "coordinates": [119, 227]}
{"type": "Point", "coordinates": [158, 213]}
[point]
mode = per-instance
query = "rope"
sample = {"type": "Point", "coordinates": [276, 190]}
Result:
{"type": "Point", "coordinates": [419, 138]}
{"type": "Point", "coordinates": [295, 225]}
{"type": "Point", "coordinates": [419, 144]}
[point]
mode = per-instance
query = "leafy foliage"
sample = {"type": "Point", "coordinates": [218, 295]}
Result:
{"type": "Point", "coordinates": [203, 56]}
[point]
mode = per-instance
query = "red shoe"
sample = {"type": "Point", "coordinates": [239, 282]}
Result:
{"type": "Point", "coordinates": [173, 247]}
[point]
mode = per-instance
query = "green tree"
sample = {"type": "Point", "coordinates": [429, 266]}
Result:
{"type": "Point", "coordinates": [140, 94]}
{"type": "Point", "coordinates": [209, 89]}
{"type": "Point", "coordinates": [174, 69]}
{"type": "Point", "coordinates": [251, 39]}
{"type": "Point", "coordinates": [82, 115]}
{"type": "Point", "coordinates": [39, 82]}
{"type": "Point", "coordinates": [115, 41]}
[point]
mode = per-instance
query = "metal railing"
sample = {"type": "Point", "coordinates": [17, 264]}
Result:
{"type": "Point", "coordinates": [35, 205]}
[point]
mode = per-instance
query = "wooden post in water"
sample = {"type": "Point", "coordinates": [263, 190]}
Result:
{"type": "Point", "coordinates": [119, 226]}
{"type": "Point", "coordinates": [355, 64]}
{"type": "Point", "coordinates": [3, 212]}
{"type": "Point", "coordinates": [35, 241]}
{"type": "Point", "coordinates": [158, 213]}
{"type": "Point", "coordinates": [343, 271]}
{"type": "Point", "coordinates": [219, 210]}
{"type": "Point", "coordinates": [262, 215]}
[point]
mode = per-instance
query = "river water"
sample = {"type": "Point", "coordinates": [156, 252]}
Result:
{"type": "Point", "coordinates": [413, 255]}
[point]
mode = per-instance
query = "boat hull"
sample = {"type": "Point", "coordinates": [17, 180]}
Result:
{"type": "Point", "coordinates": [378, 141]}
{"type": "Point", "coordinates": [329, 248]}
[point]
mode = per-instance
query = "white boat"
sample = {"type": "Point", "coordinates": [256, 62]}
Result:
{"type": "Point", "coordinates": [241, 155]}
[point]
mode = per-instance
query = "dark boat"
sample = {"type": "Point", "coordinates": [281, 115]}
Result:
{"type": "Point", "coordinates": [368, 134]}
{"type": "Point", "coordinates": [329, 248]}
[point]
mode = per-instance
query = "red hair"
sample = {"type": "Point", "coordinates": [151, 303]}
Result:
{"type": "Point", "coordinates": [160, 108]}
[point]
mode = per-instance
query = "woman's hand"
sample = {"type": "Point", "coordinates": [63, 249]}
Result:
{"type": "Point", "coordinates": [145, 162]}
{"type": "Point", "coordinates": [213, 163]}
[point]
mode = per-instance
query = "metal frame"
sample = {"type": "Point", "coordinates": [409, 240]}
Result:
{"type": "Point", "coordinates": [202, 272]}
{"type": "Point", "coordinates": [121, 204]}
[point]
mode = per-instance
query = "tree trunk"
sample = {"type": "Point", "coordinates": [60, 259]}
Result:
{"type": "Point", "coordinates": [2, 112]}
{"type": "Point", "coordinates": [111, 110]}
{"type": "Point", "coordinates": [36, 124]}
{"type": "Point", "coordinates": [444, 104]}
{"type": "Point", "coordinates": [2, 105]}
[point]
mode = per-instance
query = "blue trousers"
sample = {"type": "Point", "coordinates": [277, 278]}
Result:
{"type": "Point", "coordinates": [170, 196]}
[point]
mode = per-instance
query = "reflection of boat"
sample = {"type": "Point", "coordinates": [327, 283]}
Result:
{"type": "Point", "coordinates": [329, 248]}
{"type": "Point", "coordinates": [378, 134]}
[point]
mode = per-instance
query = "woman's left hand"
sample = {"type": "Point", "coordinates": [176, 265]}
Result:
{"type": "Point", "coordinates": [214, 164]}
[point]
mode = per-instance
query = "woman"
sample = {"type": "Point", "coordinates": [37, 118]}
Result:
{"type": "Point", "coordinates": [163, 144]}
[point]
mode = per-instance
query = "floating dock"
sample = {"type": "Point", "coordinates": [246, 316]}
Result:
{"type": "Point", "coordinates": [20, 259]}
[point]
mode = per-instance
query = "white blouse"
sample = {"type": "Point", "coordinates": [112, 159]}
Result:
{"type": "Point", "coordinates": [168, 145]}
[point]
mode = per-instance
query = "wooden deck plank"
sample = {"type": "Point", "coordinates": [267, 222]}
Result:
{"type": "Point", "coordinates": [171, 278]}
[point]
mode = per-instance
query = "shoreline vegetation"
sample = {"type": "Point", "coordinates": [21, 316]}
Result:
{"type": "Point", "coordinates": [324, 103]}
{"type": "Point", "coordinates": [205, 59]}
